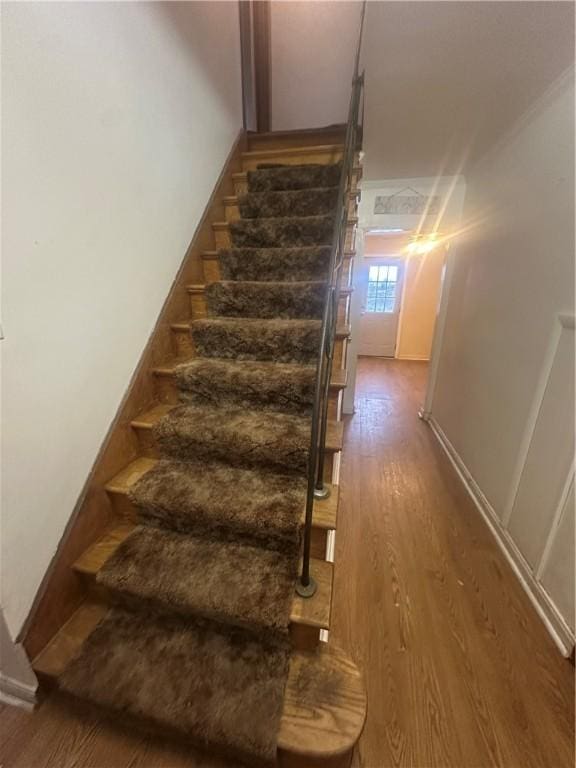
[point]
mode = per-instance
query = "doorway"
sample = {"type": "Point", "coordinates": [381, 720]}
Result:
{"type": "Point", "coordinates": [381, 287]}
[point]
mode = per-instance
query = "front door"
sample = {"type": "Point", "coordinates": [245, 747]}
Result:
{"type": "Point", "coordinates": [381, 287]}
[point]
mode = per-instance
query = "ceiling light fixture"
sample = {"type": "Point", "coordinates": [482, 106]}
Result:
{"type": "Point", "coordinates": [423, 244]}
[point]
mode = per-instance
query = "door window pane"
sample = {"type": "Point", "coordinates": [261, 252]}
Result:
{"type": "Point", "coordinates": [382, 284]}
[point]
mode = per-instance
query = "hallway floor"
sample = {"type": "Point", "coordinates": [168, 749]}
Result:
{"type": "Point", "coordinates": [460, 670]}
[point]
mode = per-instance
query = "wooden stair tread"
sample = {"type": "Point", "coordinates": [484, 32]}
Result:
{"type": "Point", "coordinates": [128, 477]}
{"type": "Point", "coordinates": [147, 420]}
{"type": "Point", "coordinates": [296, 137]}
{"type": "Point", "coordinates": [90, 561]}
{"type": "Point", "coordinates": [324, 705]}
{"type": "Point", "coordinates": [312, 612]}
{"type": "Point", "coordinates": [52, 660]}
{"type": "Point", "coordinates": [317, 720]}
{"type": "Point", "coordinates": [338, 380]}
{"type": "Point", "coordinates": [291, 151]}
{"type": "Point", "coordinates": [324, 514]}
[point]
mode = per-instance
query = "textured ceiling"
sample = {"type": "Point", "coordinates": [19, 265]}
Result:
{"type": "Point", "coordinates": [446, 79]}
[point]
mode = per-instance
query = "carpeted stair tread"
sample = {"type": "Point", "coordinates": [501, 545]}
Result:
{"type": "Point", "coordinates": [279, 232]}
{"type": "Point", "coordinates": [250, 384]}
{"type": "Point", "coordinates": [304, 300]}
{"type": "Point", "coordinates": [287, 177]}
{"type": "Point", "coordinates": [220, 501]}
{"type": "Point", "coordinates": [238, 436]}
{"type": "Point", "coordinates": [209, 684]}
{"type": "Point", "coordinates": [226, 581]}
{"type": "Point", "coordinates": [286, 341]}
{"type": "Point", "coordinates": [300, 202]}
{"type": "Point", "coordinates": [275, 264]}
{"type": "Point", "coordinates": [197, 643]}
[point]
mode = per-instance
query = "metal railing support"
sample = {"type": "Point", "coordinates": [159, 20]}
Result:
{"type": "Point", "coordinates": [316, 489]}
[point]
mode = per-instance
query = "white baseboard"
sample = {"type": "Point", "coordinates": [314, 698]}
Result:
{"type": "Point", "coordinates": [555, 624]}
{"type": "Point", "coordinates": [16, 693]}
{"type": "Point", "coordinates": [418, 358]}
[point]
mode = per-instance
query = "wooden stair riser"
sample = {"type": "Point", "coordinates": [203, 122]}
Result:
{"type": "Point", "coordinates": [183, 344]}
{"type": "Point", "coordinates": [304, 638]}
{"type": "Point", "coordinates": [329, 467]}
{"type": "Point", "coordinates": [344, 309]}
{"type": "Point", "coordinates": [199, 309]}
{"type": "Point", "coordinates": [291, 139]}
{"type": "Point", "coordinates": [319, 155]}
{"type": "Point", "coordinates": [232, 212]}
{"type": "Point", "coordinates": [335, 406]}
{"type": "Point", "coordinates": [340, 350]}
{"type": "Point", "coordinates": [222, 235]}
{"type": "Point", "coordinates": [319, 543]}
{"type": "Point", "coordinates": [211, 268]}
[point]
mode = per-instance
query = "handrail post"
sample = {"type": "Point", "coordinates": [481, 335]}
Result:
{"type": "Point", "coordinates": [321, 490]}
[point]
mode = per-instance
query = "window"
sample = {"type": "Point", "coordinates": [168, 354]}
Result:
{"type": "Point", "coordinates": [382, 282]}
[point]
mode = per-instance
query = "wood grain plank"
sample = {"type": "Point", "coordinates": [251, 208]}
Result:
{"type": "Point", "coordinates": [460, 670]}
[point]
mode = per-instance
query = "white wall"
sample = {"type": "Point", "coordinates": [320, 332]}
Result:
{"type": "Point", "coordinates": [444, 80]}
{"type": "Point", "coordinates": [313, 49]}
{"type": "Point", "coordinates": [512, 274]}
{"type": "Point", "coordinates": [420, 294]}
{"type": "Point", "coordinates": [117, 120]}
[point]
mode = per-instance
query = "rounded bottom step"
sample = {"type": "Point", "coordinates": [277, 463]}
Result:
{"type": "Point", "coordinates": [324, 710]}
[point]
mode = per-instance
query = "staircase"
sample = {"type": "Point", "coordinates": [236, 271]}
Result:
{"type": "Point", "coordinates": [189, 623]}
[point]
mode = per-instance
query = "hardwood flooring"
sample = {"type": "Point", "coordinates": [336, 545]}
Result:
{"type": "Point", "coordinates": [459, 668]}
{"type": "Point", "coordinates": [460, 671]}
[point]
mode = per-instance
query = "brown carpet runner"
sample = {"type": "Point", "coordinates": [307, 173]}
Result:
{"type": "Point", "coordinates": [197, 643]}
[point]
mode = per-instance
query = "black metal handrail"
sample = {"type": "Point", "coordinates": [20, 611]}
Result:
{"type": "Point", "coordinates": [306, 586]}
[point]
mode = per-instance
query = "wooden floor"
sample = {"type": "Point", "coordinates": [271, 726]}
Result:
{"type": "Point", "coordinates": [459, 669]}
